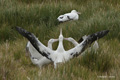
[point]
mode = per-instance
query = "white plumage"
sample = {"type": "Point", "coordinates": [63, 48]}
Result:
{"type": "Point", "coordinates": [40, 60]}
{"type": "Point", "coordinates": [60, 55]}
{"type": "Point", "coordinates": [35, 56]}
{"type": "Point", "coordinates": [73, 15]}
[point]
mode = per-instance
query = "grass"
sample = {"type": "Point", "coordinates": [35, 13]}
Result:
{"type": "Point", "coordinates": [39, 17]}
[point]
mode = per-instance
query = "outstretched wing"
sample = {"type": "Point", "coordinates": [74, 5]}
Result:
{"type": "Point", "coordinates": [43, 50]}
{"type": "Point", "coordinates": [32, 52]}
{"type": "Point", "coordinates": [35, 56]}
{"type": "Point", "coordinates": [82, 38]}
{"type": "Point", "coordinates": [86, 42]}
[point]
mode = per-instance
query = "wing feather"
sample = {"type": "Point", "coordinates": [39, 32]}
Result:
{"type": "Point", "coordinates": [86, 42]}
{"type": "Point", "coordinates": [43, 50]}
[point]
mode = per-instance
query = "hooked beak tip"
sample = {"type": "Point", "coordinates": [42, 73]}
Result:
{"type": "Point", "coordinates": [60, 31]}
{"type": "Point", "coordinates": [79, 12]}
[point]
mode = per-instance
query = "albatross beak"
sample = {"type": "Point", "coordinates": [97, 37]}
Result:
{"type": "Point", "coordinates": [79, 12]}
{"type": "Point", "coordinates": [60, 31]}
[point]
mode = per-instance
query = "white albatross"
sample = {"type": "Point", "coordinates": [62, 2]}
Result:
{"type": "Point", "coordinates": [40, 60]}
{"type": "Point", "coordinates": [73, 15]}
{"type": "Point", "coordinates": [60, 55]}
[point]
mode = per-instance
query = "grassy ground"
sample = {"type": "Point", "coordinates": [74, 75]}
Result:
{"type": "Point", "coordinates": [39, 17]}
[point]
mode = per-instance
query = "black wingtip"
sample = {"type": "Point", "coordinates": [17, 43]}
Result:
{"type": "Point", "coordinates": [106, 31]}
{"type": "Point", "coordinates": [101, 34]}
{"type": "Point", "coordinates": [91, 38]}
{"type": "Point", "coordinates": [31, 37]}
{"type": "Point", "coordinates": [19, 29]}
{"type": "Point", "coordinates": [23, 32]}
{"type": "Point", "coordinates": [96, 35]}
{"type": "Point", "coordinates": [81, 39]}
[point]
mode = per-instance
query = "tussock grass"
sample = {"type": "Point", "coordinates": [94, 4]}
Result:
{"type": "Point", "coordinates": [39, 17]}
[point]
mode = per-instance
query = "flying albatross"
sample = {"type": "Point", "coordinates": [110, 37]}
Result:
{"type": "Point", "coordinates": [60, 55]}
{"type": "Point", "coordinates": [73, 15]}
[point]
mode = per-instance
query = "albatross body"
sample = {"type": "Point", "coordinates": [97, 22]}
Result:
{"type": "Point", "coordinates": [40, 60]}
{"type": "Point", "coordinates": [60, 55]}
{"type": "Point", "coordinates": [73, 15]}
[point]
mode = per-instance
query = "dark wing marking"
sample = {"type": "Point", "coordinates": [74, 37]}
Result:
{"type": "Point", "coordinates": [97, 33]}
{"type": "Point", "coordinates": [81, 39]}
{"type": "Point", "coordinates": [69, 18]}
{"type": "Point", "coordinates": [85, 43]}
{"type": "Point", "coordinates": [61, 17]}
{"type": "Point", "coordinates": [91, 38]}
{"type": "Point", "coordinates": [44, 51]}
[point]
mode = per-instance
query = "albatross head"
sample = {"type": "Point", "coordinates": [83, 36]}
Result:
{"type": "Point", "coordinates": [74, 11]}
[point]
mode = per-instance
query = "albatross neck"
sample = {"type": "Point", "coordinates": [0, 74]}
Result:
{"type": "Point", "coordinates": [60, 47]}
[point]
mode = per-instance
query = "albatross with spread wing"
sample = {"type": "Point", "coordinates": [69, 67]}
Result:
{"type": "Point", "coordinates": [60, 55]}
